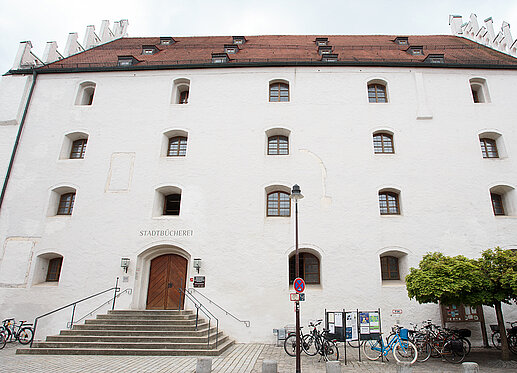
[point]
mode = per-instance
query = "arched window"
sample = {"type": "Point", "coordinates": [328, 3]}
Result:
{"type": "Point", "coordinates": [47, 268]}
{"type": "Point", "coordinates": [503, 200]}
{"type": "Point", "coordinates": [278, 204]}
{"type": "Point", "coordinates": [278, 145]}
{"type": "Point", "coordinates": [85, 94]}
{"type": "Point", "coordinates": [309, 268]}
{"type": "Point", "coordinates": [278, 92]}
{"type": "Point", "coordinates": [479, 90]}
{"type": "Point", "coordinates": [78, 149]}
{"type": "Point", "coordinates": [390, 268]}
{"type": "Point", "coordinates": [492, 144]}
{"type": "Point", "coordinates": [181, 91]}
{"type": "Point", "coordinates": [389, 203]}
{"type": "Point", "coordinates": [66, 204]}
{"type": "Point", "coordinates": [377, 92]}
{"type": "Point", "coordinates": [167, 201]}
{"type": "Point", "coordinates": [383, 143]}
{"type": "Point", "coordinates": [177, 146]}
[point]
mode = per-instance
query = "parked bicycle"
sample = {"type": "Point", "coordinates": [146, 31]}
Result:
{"type": "Point", "coordinates": [403, 349]}
{"type": "Point", "coordinates": [313, 343]}
{"type": "Point", "coordinates": [511, 334]}
{"type": "Point", "coordinates": [21, 332]}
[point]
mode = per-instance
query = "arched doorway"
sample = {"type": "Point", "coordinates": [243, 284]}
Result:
{"type": "Point", "coordinates": [168, 273]}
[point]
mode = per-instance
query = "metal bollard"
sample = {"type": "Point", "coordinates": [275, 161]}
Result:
{"type": "Point", "coordinates": [404, 367]}
{"type": "Point", "coordinates": [269, 366]}
{"type": "Point", "coordinates": [470, 367]}
{"type": "Point", "coordinates": [204, 365]}
{"type": "Point", "coordinates": [333, 367]}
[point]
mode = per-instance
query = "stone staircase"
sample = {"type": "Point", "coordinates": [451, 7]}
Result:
{"type": "Point", "coordinates": [130, 332]}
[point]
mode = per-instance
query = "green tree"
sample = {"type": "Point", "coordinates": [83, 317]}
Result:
{"type": "Point", "coordinates": [489, 280]}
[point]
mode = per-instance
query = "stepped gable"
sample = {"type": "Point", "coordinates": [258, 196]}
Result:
{"type": "Point", "coordinates": [295, 48]}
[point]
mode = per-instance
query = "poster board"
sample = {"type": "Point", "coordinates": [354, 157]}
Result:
{"type": "Point", "coordinates": [369, 325]}
{"type": "Point", "coordinates": [334, 322]}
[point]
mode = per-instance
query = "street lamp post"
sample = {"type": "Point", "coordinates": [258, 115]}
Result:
{"type": "Point", "coordinates": [296, 194]}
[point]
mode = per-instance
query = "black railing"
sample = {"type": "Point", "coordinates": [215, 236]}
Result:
{"type": "Point", "coordinates": [245, 322]}
{"type": "Point", "coordinates": [199, 306]}
{"type": "Point", "coordinates": [74, 304]}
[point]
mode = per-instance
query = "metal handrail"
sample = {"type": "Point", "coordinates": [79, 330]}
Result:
{"type": "Point", "coordinates": [245, 322]}
{"type": "Point", "coordinates": [70, 324]}
{"type": "Point", "coordinates": [200, 306]}
{"type": "Point", "coordinates": [74, 304]}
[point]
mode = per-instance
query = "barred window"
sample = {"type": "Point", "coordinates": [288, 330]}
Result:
{"type": "Point", "coordinates": [383, 143]}
{"type": "Point", "coordinates": [278, 204]}
{"type": "Point", "coordinates": [278, 92]}
{"type": "Point", "coordinates": [309, 269]}
{"type": "Point", "coordinates": [172, 204]}
{"type": "Point", "coordinates": [389, 203]}
{"type": "Point", "coordinates": [488, 148]}
{"type": "Point", "coordinates": [390, 268]}
{"type": "Point", "coordinates": [278, 145]}
{"type": "Point", "coordinates": [377, 93]}
{"type": "Point", "coordinates": [66, 204]}
{"type": "Point", "coordinates": [78, 149]}
{"type": "Point", "coordinates": [177, 147]}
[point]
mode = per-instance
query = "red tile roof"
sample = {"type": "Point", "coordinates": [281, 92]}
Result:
{"type": "Point", "coordinates": [351, 49]}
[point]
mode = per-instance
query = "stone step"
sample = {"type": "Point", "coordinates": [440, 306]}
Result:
{"type": "Point", "coordinates": [130, 345]}
{"type": "Point", "coordinates": [129, 351]}
{"type": "Point", "coordinates": [164, 333]}
{"type": "Point", "coordinates": [142, 327]}
{"type": "Point", "coordinates": [140, 322]}
{"type": "Point", "coordinates": [147, 317]}
{"type": "Point", "coordinates": [153, 312]}
{"type": "Point", "coordinates": [153, 338]}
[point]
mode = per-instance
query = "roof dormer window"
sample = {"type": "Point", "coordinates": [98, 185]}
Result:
{"type": "Point", "coordinates": [401, 40]}
{"type": "Point", "coordinates": [322, 41]}
{"type": "Point", "coordinates": [329, 57]}
{"type": "Point", "coordinates": [416, 50]}
{"type": "Point", "coordinates": [239, 40]}
{"type": "Point", "coordinates": [127, 61]}
{"type": "Point", "coordinates": [219, 58]}
{"type": "Point", "coordinates": [231, 48]}
{"type": "Point", "coordinates": [324, 49]}
{"type": "Point", "coordinates": [167, 40]}
{"type": "Point", "coordinates": [435, 58]}
{"type": "Point", "coordinates": [149, 49]}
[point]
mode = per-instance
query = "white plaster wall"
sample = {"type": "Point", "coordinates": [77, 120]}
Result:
{"type": "Point", "coordinates": [437, 165]}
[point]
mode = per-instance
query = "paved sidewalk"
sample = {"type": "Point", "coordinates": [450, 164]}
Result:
{"type": "Point", "coordinates": [241, 358]}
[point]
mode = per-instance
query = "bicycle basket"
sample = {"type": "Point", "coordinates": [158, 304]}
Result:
{"type": "Point", "coordinates": [464, 333]}
{"type": "Point", "coordinates": [403, 334]}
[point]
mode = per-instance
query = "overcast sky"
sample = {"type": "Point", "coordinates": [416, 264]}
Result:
{"type": "Point", "coordinates": [51, 20]}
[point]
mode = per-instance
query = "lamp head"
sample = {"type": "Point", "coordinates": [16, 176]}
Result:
{"type": "Point", "coordinates": [296, 192]}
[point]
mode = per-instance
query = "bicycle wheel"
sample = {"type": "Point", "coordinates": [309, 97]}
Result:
{"type": "Point", "coordinates": [405, 351]}
{"type": "Point", "coordinates": [309, 345]}
{"type": "Point", "coordinates": [424, 350]}
{"type": "Point", "coordinates": [290, 345]}
{"type": "Point", "coordinates": [512, 343]}
{"type": "Point", "coordinates": [6, 332]}
{"type": "Point", "coordinates": [373, 349]}
{"type": "Point", "coordinates": [25, 336]}
{"type": "Point", "coordinates": [330, 351]}
{"type": "Point", "coordinates": [466, 345]}
{"type": "Point", "coordinates": [2, 340]}
{"type": "Point", "coordinates": [359, 344]}
{"type": "Point", "coordinates": [496, 340]}
{"type": "Point", "coordinates": [452, 352]}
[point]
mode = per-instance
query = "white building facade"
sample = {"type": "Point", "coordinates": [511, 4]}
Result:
{"type": "Point", "coordinates": [396, 156]}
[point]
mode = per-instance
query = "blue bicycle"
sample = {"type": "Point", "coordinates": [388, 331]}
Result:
{"type": "Point", "coordinates": [403, 350]}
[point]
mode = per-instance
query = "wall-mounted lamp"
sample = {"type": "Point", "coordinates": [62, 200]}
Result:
{"type": "Point", "coordinates": [197, 264]}
{"type": "Point", "coordinates": [124, 263]}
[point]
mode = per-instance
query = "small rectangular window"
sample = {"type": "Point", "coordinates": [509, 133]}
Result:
{"type": "Point", "coordinates": [54, 269]}
{"type": "Point", "coordinates": [497, 204]}
{"type": "Point", "coordinates": [78, 149]}
{"type": "Point", "coordinates": [166, 40]}
{"type": "Point", "coordinates": [390, 268]}
{"type": "Point", "coordinates": [172, 204]}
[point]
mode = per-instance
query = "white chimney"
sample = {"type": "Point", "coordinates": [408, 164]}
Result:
{"type": "Point", "coordinates": [455, 22]}
{"type": "Point", "coordinates": [72, 45]}
{"type": "Point", "coordinates": [90, 38]}
{"type": "Point", "coordinates": [474, 24]}
{"type": "Point", "coordinates": [507, 34]}
{"type": "Point", "coordinates": [123, 27]}
{"type": "Point", "coordinates": [51, 54]}
{"type": "Point", "coordinates": [106, 34]}
{"type": "Point", "coordinates": [489, 24]}
{"type": "Point", "coordinates": [24, 58]}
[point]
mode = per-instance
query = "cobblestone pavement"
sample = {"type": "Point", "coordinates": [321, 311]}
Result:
{"type": "Point", "coordinates": [241, 358]}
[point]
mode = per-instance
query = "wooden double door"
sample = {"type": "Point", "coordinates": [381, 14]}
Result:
{"type": "Point", "coordinates": [167, 275]}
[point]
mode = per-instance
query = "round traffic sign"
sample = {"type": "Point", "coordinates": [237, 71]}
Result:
{"type": "Point", "coordinates": [299, 285]}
